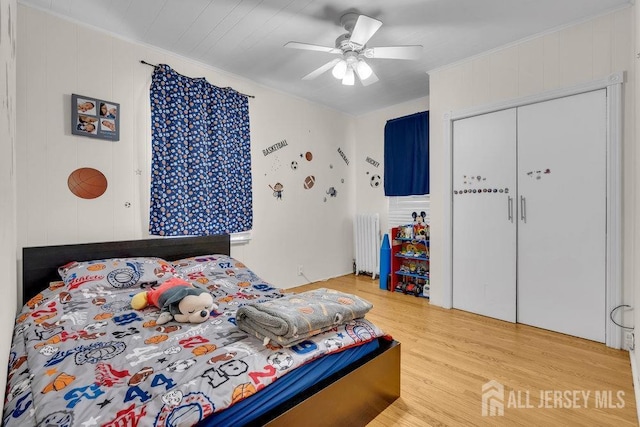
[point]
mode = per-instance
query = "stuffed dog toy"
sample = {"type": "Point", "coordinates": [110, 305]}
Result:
{"type": "Point", "coordinates": [177, 299]}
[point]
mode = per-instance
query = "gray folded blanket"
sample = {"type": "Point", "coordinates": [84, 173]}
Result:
{"type": "Point", "coordinates": [293, 318]}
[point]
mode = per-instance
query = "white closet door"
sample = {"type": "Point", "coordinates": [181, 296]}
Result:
{"type": "Point", "coordinates": [484, 223]}
{"type": "Point", "coordinates": [562, 215]}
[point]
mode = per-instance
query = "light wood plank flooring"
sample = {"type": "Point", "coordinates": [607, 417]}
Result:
{"type": "Point", "coordinates": [448, 355]}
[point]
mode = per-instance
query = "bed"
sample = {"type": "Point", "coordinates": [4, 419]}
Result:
{"type": "Point", "coordinates": [336, 382]}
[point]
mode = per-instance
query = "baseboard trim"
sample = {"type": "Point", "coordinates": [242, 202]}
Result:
{"type": "Point", "coordinates": [636, 382]}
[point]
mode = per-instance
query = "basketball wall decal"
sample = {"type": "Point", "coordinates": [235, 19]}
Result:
{"type": "Point", "coordinates": [309, 181]}
{"type": "Point", "coordinates": [87, 183]}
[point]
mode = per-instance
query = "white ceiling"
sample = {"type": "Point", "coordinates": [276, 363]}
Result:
{"type": "Point", "coordinates": [246, 37]}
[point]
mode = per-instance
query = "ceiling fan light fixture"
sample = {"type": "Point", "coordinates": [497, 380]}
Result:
{"type": "Point", "coordinates": [340, 69]}
{"type": "Point", "coordinates": [364, 70]}
{"type": "Point", "coordinates": [352, 48]}
{"type": "Point", "coordinates": [349, 77]}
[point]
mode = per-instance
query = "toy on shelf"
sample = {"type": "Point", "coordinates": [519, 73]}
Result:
{"type": "Point", "coordinates": [413, 288]}
{"type": "Point", "coordinates": [420, 229]}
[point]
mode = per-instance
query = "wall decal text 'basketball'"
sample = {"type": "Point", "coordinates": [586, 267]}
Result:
{"type": "Point", "coordinates": [87, 183]}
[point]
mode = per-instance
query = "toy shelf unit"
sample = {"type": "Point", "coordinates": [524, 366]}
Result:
{"type": "Point", "coordinates": [410, 259]}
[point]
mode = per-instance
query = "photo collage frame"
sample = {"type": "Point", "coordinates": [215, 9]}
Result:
{"type": "Point", "coordinates": [95, 118]}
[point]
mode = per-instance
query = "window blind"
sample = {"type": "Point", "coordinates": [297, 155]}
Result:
{"type": "Point", "coordinates": [401, 208]}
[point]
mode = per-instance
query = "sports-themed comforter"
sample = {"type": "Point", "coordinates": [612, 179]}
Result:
{"type": "Point", "coordinates": [81, 356]}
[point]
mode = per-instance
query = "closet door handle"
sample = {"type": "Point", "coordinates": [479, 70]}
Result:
{"type": "Point", "coordinates": [523, 209]}
{"type": "Point", "coordinates": [510, 208]}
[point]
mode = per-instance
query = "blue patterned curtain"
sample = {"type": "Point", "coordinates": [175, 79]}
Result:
{"type": "Point", "coordinates": [201, 158]}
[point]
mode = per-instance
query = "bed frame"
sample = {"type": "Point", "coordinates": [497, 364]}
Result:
{"type": "Point", "coordinates": [353, 396]}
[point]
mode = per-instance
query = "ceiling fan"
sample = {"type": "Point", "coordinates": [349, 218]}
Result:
{"type": "Point", "coordinates": [352, 47]}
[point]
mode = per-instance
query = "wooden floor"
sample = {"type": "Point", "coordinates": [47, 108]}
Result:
{"type": "Point", "coordinates": [448, 355]}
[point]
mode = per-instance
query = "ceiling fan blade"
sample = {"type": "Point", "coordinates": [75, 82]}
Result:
{"type": "Point", "coordinates": [364, 29]}
{"type": "Point", "coordinates": [307, 46]}
{"type": "Point", "coordinates": [326, 67]}
{"type": "Point", "coordinates": [394, 52]}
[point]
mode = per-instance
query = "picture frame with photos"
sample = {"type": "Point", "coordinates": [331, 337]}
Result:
{"type": "Point", "coordinates": [95, 118]}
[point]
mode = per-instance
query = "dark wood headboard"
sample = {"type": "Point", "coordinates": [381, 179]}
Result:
{"type": "Point", "coordinates": [40, 264]}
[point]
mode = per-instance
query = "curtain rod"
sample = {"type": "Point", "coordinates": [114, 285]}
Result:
{"type": "Point", "coordinates": [156, 66]}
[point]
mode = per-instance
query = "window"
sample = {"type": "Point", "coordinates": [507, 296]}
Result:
{"type": "Point", "coordinates": [401, 208]}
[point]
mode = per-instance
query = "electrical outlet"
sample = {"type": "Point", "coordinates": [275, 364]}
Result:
{"type": "Point", "coordinates": [300, 270]}
{"type": "Point", "coordinates": [629, 340]}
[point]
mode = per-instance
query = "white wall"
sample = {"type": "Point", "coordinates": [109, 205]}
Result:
{"type": "Point", "coordinates": [7, 180]}
{"type": "Point", "coordinates": [587, 51]}
{"type": "Point", "coordinates": [636, 208]}
{"type": "Point", "coordinates": [57, 57]}
{"type": "Point", "coordinates": [370, 143]}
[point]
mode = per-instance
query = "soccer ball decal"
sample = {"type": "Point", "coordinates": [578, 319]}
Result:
{"type": "Point", "coordinates": [280, 361]}
{"type": "Point", "coordinates": [294, 165]}
{"type": "Point", "coordinates": [375, 181]}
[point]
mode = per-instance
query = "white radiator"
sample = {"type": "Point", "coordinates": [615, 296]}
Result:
{"type": "Point", "coordinates": [367, 244]}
